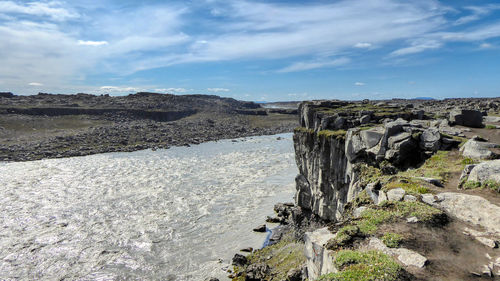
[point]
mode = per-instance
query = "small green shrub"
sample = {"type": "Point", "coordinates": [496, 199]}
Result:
{"type": "Point", "coordinates": [392, 240]}
{"type": "Point", "coordinates": [344, 236]}
{"type": "Point", "coordinates": [490, 184]}
{"type": "Point", "coordinates": [364, 266]}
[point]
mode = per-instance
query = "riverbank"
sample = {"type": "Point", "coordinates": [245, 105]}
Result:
{"type": "Point", "coordinates": [389, 192]}
{"type": "Point", "coordinates": [57, 126]}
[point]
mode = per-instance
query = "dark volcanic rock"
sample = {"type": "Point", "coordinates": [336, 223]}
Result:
{"type": "Point", "coordinates": [239, 260]}
{"type": "Point", "coordinates": [468, 118]}
{"type": "Point", "coordinates": [256, 272]}
{"type": "Point", "coordinates": [260, 228]}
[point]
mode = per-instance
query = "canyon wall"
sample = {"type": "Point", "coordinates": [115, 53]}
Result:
{"type": "Point", "coordinates": [338, 141]}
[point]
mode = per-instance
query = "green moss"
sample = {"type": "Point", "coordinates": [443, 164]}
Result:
{"type": "Point", "coordinates": [344, 236]}
{"type": "Point", "coordinates": [284, 256]}
{"type": "Point", "coordinates": [468, 161]}
{"type": "Point", "coordinates": [392, 240]}
{"type": "Point", "coordinates": [392, 211]}
{"type": "Point", "coordinates": [411, 186]}
{"type": "Point", "coordinates": [364, 266]}
{"type": "Point", "coordinates": [440, 166]}
{"type": "Point", "coordinates": [416, 136]}
{"type": "Point", "coordinates": [304, 130]}
{"type": "Point", "coordinates": [369, 174]}
{"type": "Point", "coordinates": [490, 126]}
{"type": "Point", "coordinates": [362, 199]}
{"type": "Point", "coordinates": [488, 184]}
{"type": "Point", "coordinates": [337, 134]}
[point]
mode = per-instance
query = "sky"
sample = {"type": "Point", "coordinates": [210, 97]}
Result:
{"type": "Point", "coordinates": [253, 50]}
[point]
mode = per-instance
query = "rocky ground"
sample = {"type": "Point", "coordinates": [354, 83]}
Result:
{"type": "Point", "coordinates": [54, 126]}
{"type": "Point", "coordinates": [393, 190]}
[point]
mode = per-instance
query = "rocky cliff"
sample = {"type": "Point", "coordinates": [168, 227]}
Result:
{"type": "Point", "coordinates": [338, 141]}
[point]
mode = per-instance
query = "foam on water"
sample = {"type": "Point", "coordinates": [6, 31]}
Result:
{"type": "Point", "coordinates": [166, 214]}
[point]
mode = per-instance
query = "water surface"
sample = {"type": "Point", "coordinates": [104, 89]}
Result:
{"type": "Point", "coordinates": [166, 214]}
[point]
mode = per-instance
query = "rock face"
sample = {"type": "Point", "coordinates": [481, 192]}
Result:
{"type": "Point", "coordinates": [330, 151]}
{"type": "Point", "coordinates": [478, 148]}
{"type": "Point", "coordinates": [405, 256]}
{"type": "Point", "coordinates": [469, 208]}
{"type": "Point", "coordinates": [468, 118]}
{"type": "Point", "coordinates": [319, 258]}
{"type": "Point", "coordinates": [485, 171]}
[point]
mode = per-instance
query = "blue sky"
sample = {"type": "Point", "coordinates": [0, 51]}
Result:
{"type": "Point", "coordinates": [253, 50]}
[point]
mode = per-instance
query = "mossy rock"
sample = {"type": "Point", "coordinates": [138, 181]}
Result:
{"type": "Point", "coordinates": [364, 266]}
{"type": "Point", "coordinates": [335, 134]}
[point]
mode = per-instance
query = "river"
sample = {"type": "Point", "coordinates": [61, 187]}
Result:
{"type": "Point", "coordinates": [175, 214]}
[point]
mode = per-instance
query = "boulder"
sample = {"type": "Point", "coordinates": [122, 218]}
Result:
{"type": "Point", "coordinates": [468, 118]}
{"type": "Point", "coordinates": [432, 181]}
{"type": "Point", "coordinates": [430, 139]}
{"type": "Point", "coordinates": [485, 171]}
{"type": "Point", "coordinates": [365, 119]}
{"type": "Point", "coordinates": [257, 272]}
{"type": "Point", "coordinates": [370, 138]}
{"type": "Point", "coordinates": [359, 211]}
{"type": "Point", "coordinates": [478, 149]}
{"type": "Point", "coordinates": [382, 196]}
{"type": "Point", "coordinates": [239, 260]}
{"type": "Point", "coordinates": [396, 194]}
{"type": "Point", "coordinates": [260, 228]}
{"type": "Point", "coordinates": [491, 119]}
{"type": "Point", "coordinates": [405, 256]}
{"type": "Point", "coordinates": [469, 208]}
{"type": "Point", "coordinates": [410, 198]}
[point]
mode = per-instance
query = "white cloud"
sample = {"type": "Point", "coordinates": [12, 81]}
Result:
{"type": "Point", "coordinates": [359, 84]}
{"type": "Point", "coordinates": [46, 33]}
{"type": "Point", "coordinates": [120, 89]}
{"type": "Point", "coordinates": [35, 84]}
{"type": "Point", "coordinates": [92, 43]}
{"type": "Point", "coordinates": [477, 12]}
{"type": "Point", "coordinates": [418, 46]}
{"type": "Point", "coordinates": [217, 90]}
{"type": "Point", "coordinates": [171, 90]}
{"type": "Point", "coordinates": [485, 46]}
{"type": "Point", "coordinates": [362, 45]}
{"type": "Point", "coordinates": [52, 9]}
{"type": "Point", "coordinates": [301, 66]}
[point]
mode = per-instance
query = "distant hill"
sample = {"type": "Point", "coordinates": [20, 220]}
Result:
{"type": "Point", "coordinates": [423, 98]}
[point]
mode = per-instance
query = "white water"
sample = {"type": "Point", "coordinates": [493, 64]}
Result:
{"type": "Point", "coordinates": [146, 215]}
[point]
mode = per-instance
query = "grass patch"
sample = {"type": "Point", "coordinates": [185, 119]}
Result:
{"type": "Point", "coordinates": [387, 212]}
{"type": "Point", "coordinates": [369, 174]}
{"type": "Point", "coordinates": [364, 266]}
{"type": "Point", "coordinates": [392, 240]}
{"type": "Point", "coordinates": [490, 127]}
{"type": "Point", "coordinates": [344, 237]}
{"type": "Point", "coordinates": [411, 186]}
{"type": "Point", "coordinates": [488, 184]}
{"type": "Point", "coordinates": [284, 256]}
{"type": "Point", "coordinates": [337, 134]}
{"type": "Point", "coordinates": [439, 166]}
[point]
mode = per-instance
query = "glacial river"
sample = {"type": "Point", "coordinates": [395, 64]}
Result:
{"type": "Point", "coordinates": [176, 214]}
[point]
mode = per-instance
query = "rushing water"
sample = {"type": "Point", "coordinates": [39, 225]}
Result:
{"type": "Point", "coordinates": [146, 215]}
